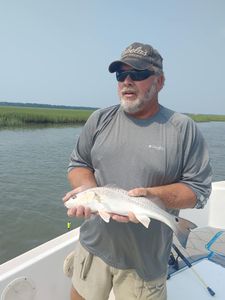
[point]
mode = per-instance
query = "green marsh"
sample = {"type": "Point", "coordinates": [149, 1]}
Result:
{"type": "Point", "coordinates": [13, 116]}
{"type": "Point", "coordinates": [26, 116]}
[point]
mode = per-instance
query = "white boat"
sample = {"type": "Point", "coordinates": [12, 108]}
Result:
{"type": "Point", "coordinates": [38, 274]}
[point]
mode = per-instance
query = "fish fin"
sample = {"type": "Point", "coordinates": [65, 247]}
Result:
{"type": "Point", "coordinates": [183, 229]}
{"type": "Point", "coordinates": [144, 220]}
{"type": "Point", "coordinates": [104, 215]}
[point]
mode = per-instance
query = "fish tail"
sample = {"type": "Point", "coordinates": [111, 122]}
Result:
{"type": "Point", "coordinates": [183, 229]}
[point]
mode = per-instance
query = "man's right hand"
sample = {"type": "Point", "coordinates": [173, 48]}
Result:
{"type": "Point", "coordinates": [80, 211]}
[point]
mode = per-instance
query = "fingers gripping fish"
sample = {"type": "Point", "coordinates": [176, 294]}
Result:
{"type": "Point", "coordinates": [106, 200]}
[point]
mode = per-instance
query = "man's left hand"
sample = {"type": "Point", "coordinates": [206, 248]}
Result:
{"type": "Point", "coordinates": [125, 219]}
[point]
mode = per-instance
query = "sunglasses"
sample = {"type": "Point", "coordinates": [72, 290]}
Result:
{"type": "Point", "coordinates": [135, 75]}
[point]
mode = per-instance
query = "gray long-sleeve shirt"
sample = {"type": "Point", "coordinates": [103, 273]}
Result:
{"type": "Point", "coordinates": [129, 153]}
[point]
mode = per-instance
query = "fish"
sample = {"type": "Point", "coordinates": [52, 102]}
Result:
{"type": "Point", "coordinates": [108, 200]}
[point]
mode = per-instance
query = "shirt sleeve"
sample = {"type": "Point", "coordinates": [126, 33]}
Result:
{"type": "Point", "coordinates": [81, 155]}
{"type": "Point", "coordinates": [197, 171]}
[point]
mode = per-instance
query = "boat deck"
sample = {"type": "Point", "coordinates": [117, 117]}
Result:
{"type": "Point", "coordinates": [185, 285]}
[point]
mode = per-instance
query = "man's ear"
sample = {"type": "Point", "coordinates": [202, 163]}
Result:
{"type": "Point", "coordinates": [160, 82]}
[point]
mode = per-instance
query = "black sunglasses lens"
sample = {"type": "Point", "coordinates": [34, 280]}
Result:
{"type": "Point", "coordinates": [121, 76]}
{"type": "Point", "coordinates": [134, 75]}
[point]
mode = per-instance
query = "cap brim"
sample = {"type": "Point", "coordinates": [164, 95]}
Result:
{"type": "Point", "coordinates": [134, 63]}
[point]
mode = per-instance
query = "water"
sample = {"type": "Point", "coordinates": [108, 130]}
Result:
{"type": "Point", "coordinates": [33, 165]}
{"type": "Point", "coordinates": [214, 133]}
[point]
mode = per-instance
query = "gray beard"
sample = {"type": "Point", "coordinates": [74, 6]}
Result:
{"type": "Point", "coordinates": [131, 106]}
{"type": "Point", "coordinates": [134, 106]}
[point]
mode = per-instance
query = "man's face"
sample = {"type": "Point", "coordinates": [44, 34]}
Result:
{"type": "Point", "coordinates": [136, 96]}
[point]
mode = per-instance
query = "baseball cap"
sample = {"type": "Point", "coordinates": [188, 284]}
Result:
{"type": "Point", "coordinates": [139, 56]}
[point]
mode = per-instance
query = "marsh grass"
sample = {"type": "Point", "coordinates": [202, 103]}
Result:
{"type": "Point", "coordinates": [12, 116]}
{"type": "Point", "coordinates": [24, 116]}
{"type": "Point", "coordinates": [207, 118]}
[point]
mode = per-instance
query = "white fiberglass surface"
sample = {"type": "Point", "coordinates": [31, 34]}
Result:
{"type": "Point", "coordinates": [186, 285]}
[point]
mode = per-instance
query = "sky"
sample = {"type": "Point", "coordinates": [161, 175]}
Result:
{"type": "Point", "coordinates": [58, 51]}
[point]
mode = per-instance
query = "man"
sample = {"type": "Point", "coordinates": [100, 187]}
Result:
{"type": "Point", "coordinates": [148, 150]}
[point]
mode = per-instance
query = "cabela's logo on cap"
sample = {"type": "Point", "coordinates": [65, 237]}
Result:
{"type": "Point", "coordinates": [139, 56]}
{"type": "Point", "coordinates": [130, 51]}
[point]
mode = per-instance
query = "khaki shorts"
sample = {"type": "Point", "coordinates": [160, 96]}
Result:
{"type": "Point", "coordinates": [93, 280]}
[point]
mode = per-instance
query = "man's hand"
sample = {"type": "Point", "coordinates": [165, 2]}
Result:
{"type": "Point", "coordinates": [131, 217]}
{"type": "Point", "coordinates": [80, 211]}
{"type": "Point", "coordinates": [123, 219]}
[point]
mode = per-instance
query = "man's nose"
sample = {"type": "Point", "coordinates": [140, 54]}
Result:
{"type": "Point", "coordinates": [128, 80]}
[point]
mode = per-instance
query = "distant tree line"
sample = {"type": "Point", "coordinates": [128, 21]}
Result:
{"type": "Point", "coordinates": [18, 104]}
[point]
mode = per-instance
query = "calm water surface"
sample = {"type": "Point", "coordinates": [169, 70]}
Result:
{"type": "Point", "coordinates": [33, 166]}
